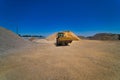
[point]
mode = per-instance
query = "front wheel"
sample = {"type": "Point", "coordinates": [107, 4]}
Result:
{"type": "Point", "coordinates": [66, 43]}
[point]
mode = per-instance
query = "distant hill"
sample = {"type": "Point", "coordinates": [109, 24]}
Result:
{"type": "Point", "coordinates": [32, 37]}
{"type": "Point", "coordinates": [103, 36]}
{"type": "Point", "coordinates": [82, 37]}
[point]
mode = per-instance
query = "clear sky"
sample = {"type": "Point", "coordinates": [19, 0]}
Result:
{"type": "Point", "coordinates": [84, 17]}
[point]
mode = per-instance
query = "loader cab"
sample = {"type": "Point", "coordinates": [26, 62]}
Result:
{"type": "Point", "coordinates": [60, 34]}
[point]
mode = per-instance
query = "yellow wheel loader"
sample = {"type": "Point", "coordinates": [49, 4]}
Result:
{"type": "Point", "coordinates": [62, 39]}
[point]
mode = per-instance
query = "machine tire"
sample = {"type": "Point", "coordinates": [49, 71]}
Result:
{"type": "Point", "coordinates": [66, 43]}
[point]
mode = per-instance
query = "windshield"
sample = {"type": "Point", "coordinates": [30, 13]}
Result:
{"type": "Point", "coordinates": [60, 35]}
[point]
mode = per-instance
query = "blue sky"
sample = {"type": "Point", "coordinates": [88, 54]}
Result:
{"type": "Point", "coordinates": [84, 17]}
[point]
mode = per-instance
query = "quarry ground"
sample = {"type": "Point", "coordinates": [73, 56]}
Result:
{"type": "Point", "coordinates": [82, 60]}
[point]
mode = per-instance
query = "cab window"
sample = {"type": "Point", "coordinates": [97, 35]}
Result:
{"type": "Point", "coordinates": [60, 35]}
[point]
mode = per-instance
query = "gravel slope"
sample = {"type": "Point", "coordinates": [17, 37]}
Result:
{"type": "Point", "coordinates": [10, 40]}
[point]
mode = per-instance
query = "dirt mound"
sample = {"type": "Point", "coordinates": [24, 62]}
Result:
{"type": "Point", "coordinates": [52, 37]}
{"type": "Point", "coordinates": [9, 40]}
{"type": "Point", "coordinates": [67, 34]}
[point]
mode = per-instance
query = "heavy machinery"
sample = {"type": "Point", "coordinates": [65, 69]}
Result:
{"type": "Point", "coordinates": [62, 39]}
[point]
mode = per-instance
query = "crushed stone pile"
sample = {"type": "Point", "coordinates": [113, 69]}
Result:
{"type": "Point", "coordinates": [67, 34]}
{"type": "Point", "coordinates": [52, 37]}
{"type": "Point", "coordinates": [10, 40]}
